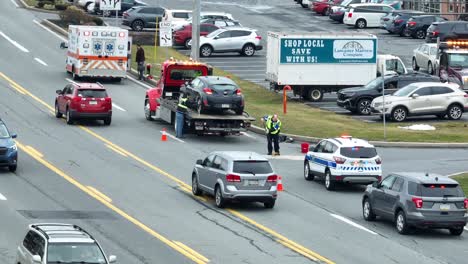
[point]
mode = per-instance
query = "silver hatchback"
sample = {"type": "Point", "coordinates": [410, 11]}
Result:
{"type": "Point", "coordinates": [235, 175]}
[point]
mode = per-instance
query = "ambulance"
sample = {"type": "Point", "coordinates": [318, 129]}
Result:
{"type": "Point", "coordinates": [95, 51]}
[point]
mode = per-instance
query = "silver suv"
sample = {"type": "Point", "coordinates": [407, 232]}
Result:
{"type": "Point", "coordinates": [417, 200]}
{"type": "Point", "coordinates": [235, 175]}
{"type": "Point", "coordinates": [60, 243]}
{"type": "Point", "coordinates": [231, 39]}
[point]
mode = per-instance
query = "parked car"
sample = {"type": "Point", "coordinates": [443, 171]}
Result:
{"type": "Point", "coordinates": [221, 22]}
{"type": "Point", "coordinates": [337, 11]}
{"type": "Point", "coordinates": [176, 17]}
{"type": "Point", "coordinates": [306, 3]}
{"type": "Point", "coordinates": [425, 56]}
{"type": "Point", "coordinates": [231, 39]}
{"type": "Point", "coordinates": [358, 99]}
{"type": "Point", "coordinates": [139, 18]}
{"type": "Point", "coordinates": [183, 35]}
{"type": "Point", "coordinates": [87, 5]}
{"type": "Point", "coordinates": [388, 18]}
{"type": "Point", "coordinates": [445, 31]}
{"type": "Point", "coordinates": [422, 200]}
{"type": "Point", "coordinates": [235, 175]}
{"type": "Point", "coordinates": [83, 101]}
{"type": "Point", "coordinates": [213, 15]}
{"type": "Point", "coordinates": [8, 148]}
{"type": "Point", "coordinates": [125, 5]}
{"type": "Point", "coordinates": [60, 243]}
{"type": "Point", "coordinates": [213, 93]}
{"type": "Point", "coordinates": [398, 26]}
{"type": "Point", "coordinates": [323, 7]}
{"type": "Point", "coordinates": [425, 98]}
{"type": "Point", "coordinates": [365, 15]}
{"type": "Point", "coordinates": [418, 25]}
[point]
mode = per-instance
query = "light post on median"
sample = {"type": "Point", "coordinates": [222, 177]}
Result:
{"type": "Point", "coordinates": [196, 30]}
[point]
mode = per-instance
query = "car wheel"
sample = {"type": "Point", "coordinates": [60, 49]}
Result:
{"type": "Point", "coordinates": [420, 34]}
{"type": "Point", "coordinates": [405, 33]}
{"type": "Point", "coordinates": [186, 44]}
{"type": "Point", "coordinates": [456, 231]}
{"type": "Point", "coordinates": [315, 94]}
{"type": "Point", "coordinates": [57, 112]}
{"type": "Point", "coordinates": [414, 64]}
{"type": "Point", "coordinates": [326, 12]}
{"type": "Point", "coordinates": [307, 175]}
{"type": "Point", "coordinates": [248, 50]}
{"type": "Point", "coordinates": [399, 114]}
{"type": "Point", "coordinates": [138, 25]}
{"type": "Point", "coordinates": [219, 199]}
{"type": "Point", "coordinates": [360, 23]}
{"type": "Point", "coordinates": [195, 187]}
{"type": "Point", "coordinates": [400, 223]}
{"type": "Point", "coordinates": [367, 211]}
{"type": "Point", "coordinates": [269, 204]}
{"type": "Point", "coordinates": [364, 106]}
{"type": "Point", "coordinates": [329, 183]}
{"type": "Point", "coordinates": [454, 112]}
{"type": "Point", "coordinates": [430, 68]}
{"type": "Point", "coordinates": [239, 111]}
{"type": "Point", "coordinates": [108, 121]}
{"type": "Point", "coordinates": [12, 168]}
{"type": "Point", "coordinates": [206, 50]}
{"type": "Point", "coordinates": [200, 107]}
{"type": "Point", "coordinates": [69, 117]}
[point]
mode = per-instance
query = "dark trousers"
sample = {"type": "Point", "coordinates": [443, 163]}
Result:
{"type": "Point", "coordinates": [180, 124]}
{"type": "Point", "coordinates": [141, 70]}
{"type": "Point", "coordinates": [273, 139]}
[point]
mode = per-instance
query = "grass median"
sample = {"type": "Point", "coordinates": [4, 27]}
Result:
{"type": "Point", "coordinates": [463, 180]}
{"type": "Point", "coordinates": [308, 121]}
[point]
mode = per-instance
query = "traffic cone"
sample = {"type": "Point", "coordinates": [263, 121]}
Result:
{"type": "Point", "coordinates": [164, 135]}
{"type": "Point", "coordinates": [279, 186]}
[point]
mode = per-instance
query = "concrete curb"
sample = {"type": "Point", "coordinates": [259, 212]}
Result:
{"type": "Point", "coordinates": [314, 140]}
{"type": "Point", "coordinates": [23, 4]}
{"type": "Point", "coordinates": [55, 28]}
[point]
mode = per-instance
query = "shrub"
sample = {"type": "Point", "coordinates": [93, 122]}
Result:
{"type": "Point", "coordinates": [61, 6]}
{"type": "Point", "coordinates": [98, 21]}
{"type": "Point", "coordinates": [75, 16]}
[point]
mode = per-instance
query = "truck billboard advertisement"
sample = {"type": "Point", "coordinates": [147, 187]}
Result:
{"type": "Point", "coordinates": [314, 51]}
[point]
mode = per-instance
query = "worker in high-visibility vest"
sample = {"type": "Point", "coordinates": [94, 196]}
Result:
{"type": "Point", "coordinates": [273, 127]}
{"type": "Point", "coordinates": [181, 110]}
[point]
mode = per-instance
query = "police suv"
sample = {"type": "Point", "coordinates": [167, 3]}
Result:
{"type": "Point", "coordinates": [343, 159]}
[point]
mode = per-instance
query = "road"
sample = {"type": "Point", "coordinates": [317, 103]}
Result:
{"type": "Point", "coordinates": [130, 190]}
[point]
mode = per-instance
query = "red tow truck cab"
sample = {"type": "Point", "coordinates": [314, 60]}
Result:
{"type": "Point", "coordinates": [453, 61]}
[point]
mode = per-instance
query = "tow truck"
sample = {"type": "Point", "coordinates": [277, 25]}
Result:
{"type": "Point", "coordinates": [161, 102]}
{"type": "Point", "coordinates": [453, 57]}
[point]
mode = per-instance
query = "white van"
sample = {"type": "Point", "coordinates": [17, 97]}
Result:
{"type": "Point", "coordinates": [365, 15]}
{"type": "Point", "coordinates": [177, 17]}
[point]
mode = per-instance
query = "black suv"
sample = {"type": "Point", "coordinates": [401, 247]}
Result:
{"type": "Point", "coordinates": [449, 30]}
{"type": "Point", "coordinates": [358, 99]}
{"type": "Point", "coordinates": [417, 200]}
{"type": "Point", "coordinates": [417, 25]}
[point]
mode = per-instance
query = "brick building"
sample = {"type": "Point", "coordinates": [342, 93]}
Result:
{"type": "Point", "coordinates": [445, 7]}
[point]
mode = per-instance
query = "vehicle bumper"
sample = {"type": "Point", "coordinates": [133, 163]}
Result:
{"type": "Point", "coordinates": [379, 110]}
{"type": "Point", "coordinates": [87, 115]}
{"type": "Point", "coordinates": [232, 193]}
{"type": "Point", "coordinates": [126, 22]}
{"type": "Point", "coordinates": [345, 104]}
{"type": "Point", "coordinates": [419, 220]}
{"type": "Point", "coordinates": [258, 47]}
{"type": "Point", "coordinates": [358, 179]}
{"type": "Point", "coordinates": [9, 159]}
{"type": "Point", "coordinates": [336, 17]}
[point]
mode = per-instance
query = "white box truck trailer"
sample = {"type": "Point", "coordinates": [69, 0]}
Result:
{"type": "Point", "coordinates": [316, 63]}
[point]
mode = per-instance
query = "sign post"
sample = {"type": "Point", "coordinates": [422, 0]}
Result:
{"type": "Point", "coordinates": [165, 35]}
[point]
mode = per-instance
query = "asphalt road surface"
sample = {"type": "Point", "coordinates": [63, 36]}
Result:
{"type": "Point", "coordinates": [131, 191]}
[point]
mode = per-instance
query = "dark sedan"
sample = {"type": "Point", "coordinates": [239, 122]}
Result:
{"type": "Point", "coordinates": [215, 93]}
{"type": "Point", "coordinates": [124, 6]}
{"type": "Point", "coordinates": [417, 26]}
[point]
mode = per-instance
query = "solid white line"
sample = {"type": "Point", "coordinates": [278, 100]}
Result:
{"type": "Point", "coordinates": [3, 198]}
{"type": "Point", "coordinates": [71, 81]}
{"type": "Point", "coordinates": [247, 135]}
{"type": "Point", "coordinates": [44, 27]}
{"type": "Point", "coordinates": [16, 44]}
{"type": "Point", "coordinates": [118, 107]}
{"type": "Point", "coordinates": [339, 217]}
{"type": "Point", "coordinates": [173, 137]}
{"type": "Point", "coordinates": [466, 228]}
{"type": "Point", "coordinates": [14, 2]}
{"type": "Point", "coordinates": [40, 61]}
{"type": "Point", "coordinates": [139, 82]}
{"type": "Point", "coordinates": [456, 173]}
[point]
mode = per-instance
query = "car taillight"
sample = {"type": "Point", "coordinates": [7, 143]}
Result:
{"type": "Point", "coordinates": [238, 92]}
{"type": "Point", "coordinates": [339, 160]}
{"type": "Point", "coordinates": [108, 100]}
{"type": "Point", "coordinates": [379, 178]}
{"type": "Point", "coordinates": [272, 178]}
{"type": "Point", "coordinates": [418, 202]}
{"type": "Point", "coordinates": [435, 33]}
{"type": "Point", "coordinates": [350, 15]}
{"type": "Point", "coordinates": [208, 90]}
{"type": "Point", "coordinates": [465, 203]}
{"type": "Point", "coordinates": [125, 14]}
{"type": "Point", "coordinates": [465, 95]}
{"type": "Point", "coordinates": [378, 160]}
{"type": "Point", "coordinates": [398, 21]}
{"type": "Point", "coordinates": [258, 37]}
{"type": "Point", "coordinates": [233, 178]}
{"type": "Point", "coordinates": [411, 23]}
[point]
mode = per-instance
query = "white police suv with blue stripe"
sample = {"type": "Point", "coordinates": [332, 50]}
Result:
{"type": "Point", "coordinates": [343, 159]}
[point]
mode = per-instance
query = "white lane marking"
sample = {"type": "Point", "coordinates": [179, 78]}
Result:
{"type": "Point", "coordinates": [346, 220]}
{"type": "Point", "coordinates": [285, 157]}
{"type": "Point", "coordinates": [248, 135]}
{"type": "Point", "coordinates": [466, 228]}
{"type": "Point", "coordinates": [16, 44]}
{"type": "Point", "coordinates": [456, 173]}
{"type": "Point", "coordinates": [40, 61]}
{"type": "Point", "coordinates": [70, 80]}
{"type": "Point", "coordinates": [118, 107]}
{"type": "Point", "coordinates": [139, 82]}
{"type": "Point", "coordinates": [173, 137]}
{"type": "Point", "coordinates": [3, 198]}
{"type": "Point", "coordinates": [14, 2]}
{"type": "Point", "coordinates": [46, 28]}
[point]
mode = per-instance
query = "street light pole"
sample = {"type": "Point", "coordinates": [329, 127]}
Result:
{"type": "Point", "coordinates": [196, 30]}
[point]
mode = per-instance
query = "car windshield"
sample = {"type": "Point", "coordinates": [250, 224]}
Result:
{"type": "Point", "coordinates": [405, 91]}
{"type": "Point", "coordinates": [458, 60]}
{"type": "Point", "coordinates": [4, 131]}
{"type": "Point", "coordinates": [358, 152]}
{"type": "Point", "coordinates": [74, 253]}
{"type": "Point", "coordinates": [252, 167]}
{"type": "Point", "coordinates": [223, 86]}
{"type": "Point", "coordinates": [374, 83]}
{"type": "Point", "coordinates": [214, 33]}
{"type": "Point", "coordinates": [441, 190]}
{"type": "Point", "coordinates": [90, 93]}
{"type": "Point", "coordinates": [395, 65]}
{"type": "Point", "coordinates": [184, 74]}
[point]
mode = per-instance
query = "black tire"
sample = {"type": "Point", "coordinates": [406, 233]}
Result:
{"type": "Point", "coordinates": [367, 211]}
{"type": "Point", "coordinates": [430, 68]}
{"type": "Point", "coordinates": [69, 118]}
{"type": "Point", "coordinates": [269, 204]}
{"type": "Point", "coordinates": [400, 223]}
{"type": "Point", "coordinates": [420, 34]}
{"type": "Point", "coordinates": [303, 6]}
{"type": "Point", "coordinates": [118, 79]}
{"type": "Point", "coordinates": [399, 114]}
{"type": "Point", "coordinates": [314, 94]}
{"type": "Point", "coordinates": [57, 111]}
{"type": "Point", "coordinates": [148, 112]}
{"type": "Point", "coordinates": [456, 231]}
{"type": "Point", "coordinates": [364, 106]}
{"type": "Point", "coordinates": [273, 86]}
{"type": "Point", "coordinates": [75, 76]}
{"type": "Point", "coordinates": [108, 121]}
{"type": "Point", "coordinates": [186, 43]}
{"type": "Point", "coordinates": [206, 51]}
{"type": "Point", "coordinates": [138, 25]}
{"type": "Point", "coordinates": [219, 199]}
{"type": "Point", "coordinates": [414, 64]}
{"type": "Point", "coordinates": [239, 111]}
{"type": "Point", "coordinates": [248, 50]}
{"type": "Point", "coordinates": [326, 12]}
{"type": "Point", "coordinates": [405, 33]}
{"type": "Point", "coordinates": [454, 112]}
{"type": "Point", "coordinates": [307, 175]}
{"type": "Point", "coordinates": [361, 23]}
{"type": "Point", "coordinates": [195, 186]}
{"type": "Point", "coordinates": [12, 168]}
{"type": "Point", "coordinates": [329, 183]}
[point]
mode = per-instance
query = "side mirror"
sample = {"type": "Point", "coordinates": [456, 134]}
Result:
{"type": "Point", "coordinates": [64, 45]}
{"type": "Point", "coordinates": [58, 92]}
{"type": "Point", "coordinates": [37, 259]}
{"type": "Point", "coordinates": [112, 259]}
{"type": "Point", "coordinates": [14, 136]}
{"type": "Point", "coordinates": [414, 96]}
{"type": "Point", "coordinates": [199, 162]}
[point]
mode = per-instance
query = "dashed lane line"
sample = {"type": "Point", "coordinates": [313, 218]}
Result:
{"type": "Point", "coordinates": [16, 44]}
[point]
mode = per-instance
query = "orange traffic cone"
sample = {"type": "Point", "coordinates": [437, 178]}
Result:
{"type": "Point", "coordinates": [164, 135]}
{"type": "Point", "coordinates": [279, 186]}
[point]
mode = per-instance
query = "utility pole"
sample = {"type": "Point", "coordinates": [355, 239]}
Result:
{"type": "Point", "coordinates": [196, 30]}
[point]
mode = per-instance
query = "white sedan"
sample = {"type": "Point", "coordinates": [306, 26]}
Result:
{"type": "Point", "coordinates": [425, 56]}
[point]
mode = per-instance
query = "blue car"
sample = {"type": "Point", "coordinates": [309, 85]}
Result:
{"type": "Point", "coordinates": [8, 148]}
